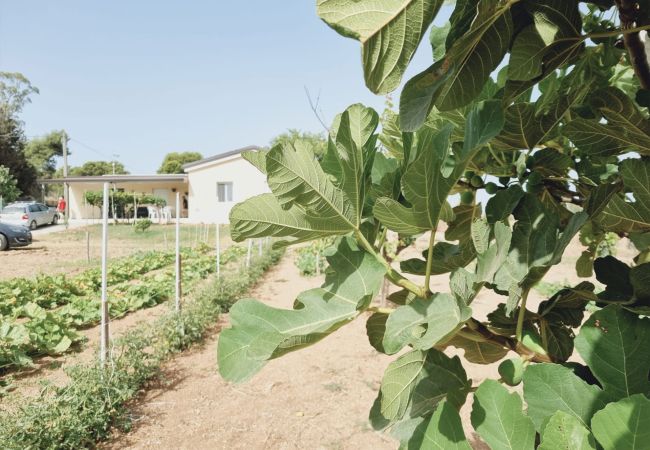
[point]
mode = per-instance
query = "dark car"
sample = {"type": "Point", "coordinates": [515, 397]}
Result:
{"type": "Point", "coordinates": [14, 236]}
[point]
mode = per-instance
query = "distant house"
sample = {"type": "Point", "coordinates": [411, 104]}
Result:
{"type": "Point", "coordinates": [209, 188]}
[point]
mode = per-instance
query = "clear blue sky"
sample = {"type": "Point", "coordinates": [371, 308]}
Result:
{"type": "Point", "coordinates": [143, 78]}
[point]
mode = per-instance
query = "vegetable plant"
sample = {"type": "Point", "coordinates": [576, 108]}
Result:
{"type": "Point", "coordinates": [540, 107]}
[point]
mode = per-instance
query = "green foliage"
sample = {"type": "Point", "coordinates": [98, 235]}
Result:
{"type": "Point", "coordinates": [310, 259]}
{"type": "Point", "coordinates": [94, 401]}
{"type": "Point", "coordinates": [317, 141]}
{"type": "Point", "coordinates": [8, 187]}
{"type": "Point", "coordinates": [142, 225]}
{"type": "Point", "coordinates": [98, 168]}
{"type": "Point", "coordinates": [564, 127]}
{"type": "Point", "coordinates": [41, 152]}
{"type": "Point", "coordinates": [173, 162]}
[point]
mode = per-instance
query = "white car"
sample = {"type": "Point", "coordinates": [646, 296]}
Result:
{"type": "Point", "coordinates": [29, 214]}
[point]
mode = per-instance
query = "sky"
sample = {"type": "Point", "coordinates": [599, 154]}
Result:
{"type": "Point", "coordinates": [143, 78]}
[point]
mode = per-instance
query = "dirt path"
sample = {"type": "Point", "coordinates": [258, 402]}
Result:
{"type": "Point", "coordinates": [316, 398]}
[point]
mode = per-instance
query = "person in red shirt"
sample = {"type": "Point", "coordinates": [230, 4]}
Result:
{"type": "Point", "coordinates": [60, 207]}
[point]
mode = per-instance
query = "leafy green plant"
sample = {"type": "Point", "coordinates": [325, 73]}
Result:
{"type": "Point", "coordinates": [563, 127]}
{"type": "Point", "coordinates": [142, 225]}
{"type": "Point", "coordinates": [310, 260]}
{"type": "Point", "coordinates": [94, 401]}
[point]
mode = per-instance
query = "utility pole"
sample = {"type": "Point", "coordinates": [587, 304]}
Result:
{"type": "Point", "coordinates": [64, 145]}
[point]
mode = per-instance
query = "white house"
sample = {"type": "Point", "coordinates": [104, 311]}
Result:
{"type": "Point", "coordinates": [209, 188]}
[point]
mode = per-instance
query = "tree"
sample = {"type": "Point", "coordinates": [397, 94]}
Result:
{"type": "Point", "coordinates": [563, 127]}
{"type": "Point", "coordinates": [8, 187]}
{"type": "Point", "coordinates": [173, 162]}
{"type": "Point", "coordinates": [15, 90]}
{"type": "Point", "coordinates": [317, 140]}
{"type": "Point", "coordinates": [41, 152]}
{"type": "Point", "coordinates": [98, 168]}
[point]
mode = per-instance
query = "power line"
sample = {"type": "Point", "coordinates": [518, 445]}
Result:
{"type": "Point", "coordinates": [99, 152]}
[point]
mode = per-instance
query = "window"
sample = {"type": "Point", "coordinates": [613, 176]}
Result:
{"type": "Point", "coordinates": [33, 208]}
{"type": "Point", "coordinates": [43, 208]}
{"type": "Point", "coordinates": [224, 192]}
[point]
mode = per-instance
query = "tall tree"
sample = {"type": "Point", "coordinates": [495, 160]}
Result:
{"type": "Point", "coordinates": [15, 90]}
{"type": "Point", "coordinates": [173, 162]}
{"type": "Point", "coordinates": [98, 168]}
{"type": "Point", "coordinates": [42, 152]}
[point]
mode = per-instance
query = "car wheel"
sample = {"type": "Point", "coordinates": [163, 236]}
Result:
{"type": "Point", "coordinates": [55, 219]}
{"type": "Point", "coordinates": [4, 243]}
{"type": "Point", "coordinates": [33, 225]}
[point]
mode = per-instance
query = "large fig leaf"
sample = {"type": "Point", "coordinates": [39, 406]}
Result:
{"type": "Point", "coordinates": [262, 215]}
{"type": "Point", "coordinates": [614, 343]}
{"type": "Point", "coordinates": [260, 332]}
{"type": "Point", "coordinates": [564, 432]}
{"type": "Point", "coordinates": [623, 215]}
{"type": "Point", "coordinates": [498, 418]}
{"type": "Point", "coordinates": [445, 430]}
{"type": "Point", "coordinates": [351, 152]}
{"type": "Point", "coordinates": [424, 322]}
{"type": "Point", "coordinates": [459, 78]}
{"type": "Point", "coordinates": [551, 387]}
{"type": "Point", "coordinates": [415, 382]}
{"type": "Point", "coordinates": [624, 425]}
{"type": "Point", "coordinates": [389, 31]}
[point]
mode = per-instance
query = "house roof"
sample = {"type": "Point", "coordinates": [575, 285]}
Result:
{"type": "Point", "coordinates": [117, 179]}
{"type": "Point", "coordinates": [219, 156]}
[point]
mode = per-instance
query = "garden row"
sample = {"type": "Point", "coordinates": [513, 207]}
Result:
{"type": "Point", "coordinates": [84, 411]}
{"type": "Point", "coordinates": [43, 316]}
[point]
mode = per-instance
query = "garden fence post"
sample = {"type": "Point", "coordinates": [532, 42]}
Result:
{"type": "Point", "coordinates": [259, 244]}
{"type": "Point", "coordinates": [248, 253]}
{"type": "Point", "coordinates": [104, 305]}
{"type": "Point", "coordinates": [218, 248]}
{"type": "Point", "coordinates": [178, 254]}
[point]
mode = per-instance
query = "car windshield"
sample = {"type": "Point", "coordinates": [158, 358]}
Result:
{"type": "Point", "coordinates": [13, 209]}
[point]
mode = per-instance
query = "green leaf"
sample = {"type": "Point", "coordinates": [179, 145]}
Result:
{"type": "Point", "coordinates": [257, 158]}
{"type": "Point", "coordinates": [260, 332]}
{"type": "Point", "coordinates": [460, 227]}
{"type": "Point", "coordinates": [459, 78]}
{"type": "Point", "coordinates": [551, 387]}
{"type": "Point", "coordinates": [350, 156]}
{"type": "Point", "coordinates": [446, 257]}
{"type": "Point", "coordinates": [375, 329]}
{"type": "Point", "coordinates": [423, 185]}
{"type": "Point", "coordinates": [624, 425]}
{"type": "Point", "coordinates": [621, 215]}
{"type": "Point", "coordinates": [498, 418]}
{"type": "Point", "coordinates": [479, 352]}
{"type": "Point", "coordinates": [389, 31]}
{"type": "Point", "coordinates": [614, 343]}
{"type": "Point", "coordinates": [415, 382]}
{"type": "Point", "coordinates": [501, 205]}
{"type": "Point", "coordinates": [262, 215]}
{"type": "Point", "coordinates": [445, 430]}
{"type": "Point", "coordinates": [476, 54]}
{"type": "Point", "coordinates": [295, 178]}
{"type": "Point", "coordinates": [424, 322]}
{"type": "Point", "coordinates": [553, 35]}
{"type": "Point", "coordinates": [626, 127]}
{"type": "Point", "coordinates": [391, 135]}
{"type": "Point", "coordinates": [564, 432]}
{"type": "Point", "coordinates": [489, 262]}
{"type": "Point", "coordinates": [437, 38]}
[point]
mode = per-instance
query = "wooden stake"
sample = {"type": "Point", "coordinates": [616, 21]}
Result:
{"type": "Point", "coordinates": [178, 256]}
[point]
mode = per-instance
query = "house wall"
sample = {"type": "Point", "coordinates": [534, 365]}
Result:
{"type": "Point", "coordinates": [79, 209]}
{"type": "Point", "coordinates": [203, 201]}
